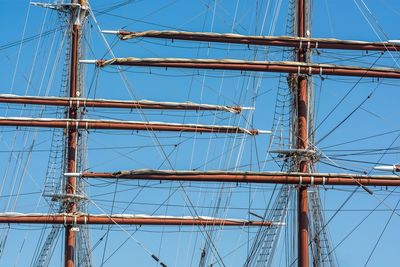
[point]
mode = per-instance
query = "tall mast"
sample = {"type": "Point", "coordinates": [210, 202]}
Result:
{"type": "Point", "coordinates": [302, 174]}
{"type": "Point", "coordinates": [77, 15]}
{"type": "Point", "coordinates": [302, 140]}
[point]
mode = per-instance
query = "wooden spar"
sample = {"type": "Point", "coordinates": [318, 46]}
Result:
{"type": "Point", "coordinates": [72, 216]}
{"type": "Point", "coordinates": [262, 66]}
{"type": "Point", "coordinates": [103, 103]}
{"type": "Point", "coordinates": [282, 41]}
{"type": "Point", "coordinates": [76, 219]}
{"type": "Point", "coordinates": [302, 141]}
{"type": "Point", "coordinates": [77, 15]}
{"type": "Point", "coordinates": [72, 136]}
{"type": "Point", "coordinates": [72, 125]}
{"type": "Point", "coordinates": [251, 177]}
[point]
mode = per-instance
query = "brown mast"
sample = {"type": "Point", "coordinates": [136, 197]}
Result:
{"type": "Point", "coordinates": [302, 140]}
{"type": "Point", "coordinates": [78, 8]}
{"type": "Point", "coordinates": [302, 177]}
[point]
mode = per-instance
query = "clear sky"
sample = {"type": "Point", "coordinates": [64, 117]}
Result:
{"type": "Point", "coordinates": [362, 130]}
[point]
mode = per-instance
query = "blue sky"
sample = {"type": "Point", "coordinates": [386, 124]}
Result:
{"type": "Point", "coordinates": [35, 70]}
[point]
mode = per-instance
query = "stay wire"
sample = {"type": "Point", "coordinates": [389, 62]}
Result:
{"type": "Point", "coordinates": [344, 97]}
{"type": "Point", "coordinates": [25, 40]}
{"type": "Point", "coordinates": [361, 139]}
{"type": "Point", "coordinates": [381, 234]}
{"type": "Point", "coordinates": [361, 222]}
{"type": "Point", "coordinates": [148, 251]}
{"type": "Point", "coordinates": [348, 116]}
{"type": "Point", "coordinates": [330, 219]}
{"type": "Point", "coordinates": [127, 239]}
{"type": "Point", "coordinates": [109, 226]}
{"type": "Point", "coordinates": [384, 153]}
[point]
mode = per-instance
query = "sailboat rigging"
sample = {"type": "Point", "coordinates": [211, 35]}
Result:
{"type": "Point", "coordinates": [280, 176]}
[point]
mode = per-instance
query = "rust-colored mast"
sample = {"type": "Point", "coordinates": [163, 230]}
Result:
{"type": "Point", "coordinates": [76, 16]}
{"type": "Point", "coordinates": [302, 140]}
{"type": "Point", "coordinates": [301, 177]}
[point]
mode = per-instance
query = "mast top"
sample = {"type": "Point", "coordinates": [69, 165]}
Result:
{"type": "Point", "coordinates": [62, 7]}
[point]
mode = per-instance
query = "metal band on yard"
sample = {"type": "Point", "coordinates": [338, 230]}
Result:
{"type": "Point", "coordinates": [260, 66]}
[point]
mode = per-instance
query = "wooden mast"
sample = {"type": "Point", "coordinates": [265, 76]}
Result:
{"type": "Point", "coordinates": [78, 8]}
{"type": "Point", "coordinates": [301, 94]}
{"type": "Point", "coordinates": [302, 140]}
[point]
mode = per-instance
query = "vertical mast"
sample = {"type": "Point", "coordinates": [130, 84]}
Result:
{"type": "Point", "coordinates": [302, 140]}
{"type": "Point", "coordinates": [78, 10]}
